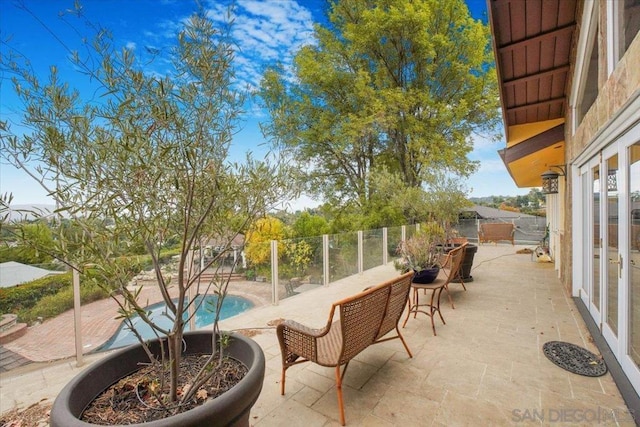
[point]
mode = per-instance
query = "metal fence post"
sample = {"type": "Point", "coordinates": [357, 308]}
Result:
{"type": "Point", "coordinates": [274, 272]}
{"type": "Point", "coordinates": [360, 252]}
{"type": "Point", "coordinates": [385, 245]}
{"type": "Point", "coordinates": [325, 260]}
{"type": "Point", "coordinates": [77, 317]}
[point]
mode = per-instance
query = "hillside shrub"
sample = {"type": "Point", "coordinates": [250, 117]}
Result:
{"type": "Point", "coordinates": [52, 295]}
{"type": "Point", "coordinates": [27, 295]}
{"type": "Point", "coordinates": [52, 305]}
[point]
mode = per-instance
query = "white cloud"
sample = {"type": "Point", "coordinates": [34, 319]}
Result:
{"type": "Point", "coordinates": [131, 45]}
{"type": "Point", "coordinates": [485, 142]}
{"type": "Point", "coordinates": [267, 32]}
{"type": "Point", "coordinates": [492, 166]}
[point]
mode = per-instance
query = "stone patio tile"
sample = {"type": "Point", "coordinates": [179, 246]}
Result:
{"type": "Point", "coordinates": [292, 413]}
{"type": "Point", "coordinates": [404, 408]}
{"type": "Point", "coordinates": [460, 410]}
{"type": "Point", "coordinates": [485, 366]}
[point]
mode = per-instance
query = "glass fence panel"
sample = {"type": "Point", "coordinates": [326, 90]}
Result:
{"type": "Point", "coordinates": [300, 261]}
{"type": "Point", "coordinates": [343, 255]}
{"type": "Point", "coordinates": [394, 236]}
{"type": "Point", "coordinates": [468, 228]}
{"type": "Point", "coordinates": [299, 266]}
{"type": "Point", "coordinates": [257, 262]}
{"type": "Point", "coordinates": [530, 230]}
{"type": "Point", "coordinates": [256, 269]}
{"type": "Point", "coordinates": [411, 230]}
{"type": "Point", "coordinates": [373, 248]}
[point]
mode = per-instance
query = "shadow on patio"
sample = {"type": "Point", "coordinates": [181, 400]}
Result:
{"type": "Point", "coordinates": [485, 366]}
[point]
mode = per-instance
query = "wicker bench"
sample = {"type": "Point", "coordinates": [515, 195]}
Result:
{"type": "Point", "coordinates": [495, 232]}
{"type": "Point", "coordinates": [365, 319]}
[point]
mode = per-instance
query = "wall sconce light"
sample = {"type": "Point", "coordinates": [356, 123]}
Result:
{"type": "Point", "coordinates": [550, 179]}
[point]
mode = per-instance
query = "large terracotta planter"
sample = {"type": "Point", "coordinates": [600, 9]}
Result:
{"type": "Point", "coordinates": [230, 409]}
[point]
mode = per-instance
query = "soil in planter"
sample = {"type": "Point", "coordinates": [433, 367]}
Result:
{"type": "Point", "coordinates": [132, 399]}
{"type": "Point", "coordinates": [35, 415]}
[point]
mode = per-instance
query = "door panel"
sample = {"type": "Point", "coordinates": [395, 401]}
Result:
{"type": "Point", "coordinates": [613, 258]}
{"type": "Point", "coordinates": [587, 232]}
{"type": "Point", "coordinates": [634, 253]}
{"type": "Point", "coordinates": [597, 244]}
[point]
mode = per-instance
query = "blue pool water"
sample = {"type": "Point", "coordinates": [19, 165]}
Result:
{"type": "Point", "coordinates": [231, 306]}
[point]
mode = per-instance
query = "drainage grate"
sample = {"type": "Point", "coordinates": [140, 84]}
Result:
{"type": "Point", "coordinates": [574, 358]}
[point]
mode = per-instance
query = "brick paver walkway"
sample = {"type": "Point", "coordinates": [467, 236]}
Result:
{"type": "Point", "coordinates": [54, 338]}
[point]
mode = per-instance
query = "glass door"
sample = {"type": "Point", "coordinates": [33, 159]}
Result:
{"type": "Point", "coordinates": [596, 245]}
{"type": "Point", "coordinates": [587, 233]}
{"type": "Point", "coordinates": [612, 260]}
{"type": "Point", "coordinates": [607, 252]}
{"type": "Point", "coordinates": [633, 218]}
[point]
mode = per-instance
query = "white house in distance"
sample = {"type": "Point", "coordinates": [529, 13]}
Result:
{"type": "Point", "coordinates": [14, 273]}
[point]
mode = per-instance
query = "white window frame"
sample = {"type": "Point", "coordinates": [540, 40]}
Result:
{"type": "Point", "coordinates": [614, 12]}
{"type": "Point", "coordinates": [587, 37]}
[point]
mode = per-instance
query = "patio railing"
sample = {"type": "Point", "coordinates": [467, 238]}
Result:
{"type": "Point", "coordinates": [311, 262]}
{"type": "Point", "coordinates": [302, 264]}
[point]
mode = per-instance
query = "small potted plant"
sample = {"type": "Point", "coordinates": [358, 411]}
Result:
{"type": "Point", "coordinates": [422, 253]}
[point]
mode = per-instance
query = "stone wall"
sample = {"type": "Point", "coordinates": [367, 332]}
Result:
{"type": "Point", "coordinates": [615, 91]}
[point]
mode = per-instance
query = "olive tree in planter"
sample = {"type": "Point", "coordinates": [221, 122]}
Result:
{"type": "Point", "coordinates": [144, 158]}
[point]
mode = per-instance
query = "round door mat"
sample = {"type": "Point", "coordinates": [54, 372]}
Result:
{"type": "Point", "coordinates": [574, 358]}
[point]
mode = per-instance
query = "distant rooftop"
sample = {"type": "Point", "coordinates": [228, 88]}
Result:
{"type": "Point", "coordinates": [14, 273]}
{"type": "Point", "coordinates": [484, 212]}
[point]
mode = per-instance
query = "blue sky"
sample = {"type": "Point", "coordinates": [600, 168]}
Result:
{"type": "Point", "coordinates": [265, 30]}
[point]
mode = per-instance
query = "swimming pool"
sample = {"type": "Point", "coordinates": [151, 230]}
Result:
{"type": "Point", "coordinates": [231, 306]}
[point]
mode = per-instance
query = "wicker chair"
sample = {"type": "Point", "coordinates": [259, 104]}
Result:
{"type": "Point", "coordinates": [365, 319]}
{"type": "Point", "coordinates": [495, 232]}
{"type": "Point", "coordinates": [447, 266]}
{"type": "Point", "coordinates": [452, 264]}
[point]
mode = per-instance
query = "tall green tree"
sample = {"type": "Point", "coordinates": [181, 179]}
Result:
{"type": "Point", "coordinates": [147, 162]}
{"type": "Point", "coordinates": [308, 225]}
{"type": "Point", "coordinates": [400, 84]}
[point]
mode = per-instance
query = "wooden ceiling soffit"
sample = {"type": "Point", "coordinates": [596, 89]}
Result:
{"type": "Point", "coordinates": [546, 103]}
{"type": "Point", "coordinates": [536, 76]}
{"type": "Point", "coordinates": [535, 143]}
{"type": "Point", "coordinates": [563, 31]}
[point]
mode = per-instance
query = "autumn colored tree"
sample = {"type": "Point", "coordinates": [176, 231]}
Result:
{"type": "Point", "coordinates": [258, 239]}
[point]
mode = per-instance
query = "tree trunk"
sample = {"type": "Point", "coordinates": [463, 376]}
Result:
{"type": "Point", "coordinates": [174, 342]}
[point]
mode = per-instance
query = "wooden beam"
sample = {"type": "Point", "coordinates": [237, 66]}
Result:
{"type": "Point", "coordinates": [560, 31]}
{"type": "Point", "coordinates": [535, 143]}
{"type": "Point", "coordinates": [536, 104]}
{"type": "Point", "coordinates": [536, 76]}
